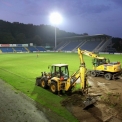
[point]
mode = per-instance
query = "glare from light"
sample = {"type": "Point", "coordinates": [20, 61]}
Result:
{"type": "Point", "coordinates": [55, 18]}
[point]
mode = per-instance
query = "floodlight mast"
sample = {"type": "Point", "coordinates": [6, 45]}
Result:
{"type": "Point", "coordinates": [55, 38]}
{"type": "Point", "coordinates": [55, 18]}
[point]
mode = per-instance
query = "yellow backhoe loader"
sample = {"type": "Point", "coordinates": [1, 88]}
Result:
{"type": "Point", "coordinates": [58, 79]}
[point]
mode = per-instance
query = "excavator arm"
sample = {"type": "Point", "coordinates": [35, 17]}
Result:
{"type": "Point", "coordinates": [88, 53]}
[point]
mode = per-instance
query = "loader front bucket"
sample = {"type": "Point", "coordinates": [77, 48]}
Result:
{"type": "Point", "coordinates": [88, 102]}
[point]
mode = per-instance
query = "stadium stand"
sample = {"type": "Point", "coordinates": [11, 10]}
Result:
{"type": "Point", "coordinates": [71, 45]}
{"type": "Point", "coordinates": [32, 49]}
{"type": "Point", "coordinates": [94, 43]}
{"type": "Point", "coordinates": [19, 49]}
{"type": "Point", "coordinates": [39, 48]}
{"type": "Point", "coordinates": [90, 45]}
{"type": "Point", "coordinates": [60, 45]}
{"type": "Point", "coordinates": [6, 49]}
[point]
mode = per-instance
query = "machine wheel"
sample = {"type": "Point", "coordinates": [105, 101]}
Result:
{"type": "Point", "coordinates": [88, 73]}
{"type": "Point", "coordinates": [38, 82]}
{"type": "Point", "coordinates": [53, 87]}
{"type": "Point", "coordinates": [93, 74]}
{"type": "Point", "coordinates": [43, 83]}
{"type": "Point", "coordinates": [108, 76]}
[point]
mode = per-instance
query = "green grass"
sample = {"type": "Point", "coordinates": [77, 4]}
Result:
{"type": "Point", "coordinates": [20, 71]}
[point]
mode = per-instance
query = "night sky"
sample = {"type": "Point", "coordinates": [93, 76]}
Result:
{"type": "Point", "coordinates": [79, 16]}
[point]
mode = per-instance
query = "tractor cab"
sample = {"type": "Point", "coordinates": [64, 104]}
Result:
{"type": "Point", "coordinates": [60, 70]}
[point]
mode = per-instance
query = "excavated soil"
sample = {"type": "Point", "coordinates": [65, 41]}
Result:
{"type": "Point", "coordinates": [108, 105]}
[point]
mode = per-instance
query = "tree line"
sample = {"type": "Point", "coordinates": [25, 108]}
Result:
{"type": "Point", "coordinates": [19, 33]}
{"type": "Point", "coordinates": [117, 44]}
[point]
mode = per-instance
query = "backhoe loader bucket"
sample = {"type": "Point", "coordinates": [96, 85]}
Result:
{"type": "Point", "coordinates": [88, 102]}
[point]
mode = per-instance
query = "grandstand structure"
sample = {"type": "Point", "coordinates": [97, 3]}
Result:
{"type": "Point", "coordinates": [95, 43]}
{"type": "Point", "coordinates": [20, 48]}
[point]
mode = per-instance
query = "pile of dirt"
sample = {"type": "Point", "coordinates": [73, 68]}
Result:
{"type": "Point", "coordinates": [75, 100]}
{"type": "Point", "coordinates": [107, 108]}
{"type": "Point", "coordinates": [75, 104]}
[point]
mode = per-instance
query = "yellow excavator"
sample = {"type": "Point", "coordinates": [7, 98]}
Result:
{"type": "Point", "coordinates": [103, 66]}
{"type": "Point", "coordinates": [58, 79]}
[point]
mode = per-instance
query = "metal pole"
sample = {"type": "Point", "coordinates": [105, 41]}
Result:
{"type": "Point", "coordinates": [55, 37]}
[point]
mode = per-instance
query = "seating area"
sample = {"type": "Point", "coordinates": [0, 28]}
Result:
{"type": "Point", "coordinates": [32, 49]}
{"type": "Point", "coordinates": [89, 45]}
{"type": "Point", "coordinates": [21, 49]}
{"type": "Point", "coordinates": [60, 45]}
{"type": "Point", "coordinates": [39, 48]}
{"type": "Point", "coordinates": [6, 49]}
{"type": "Point", "coordinates": [71, 46]}
{"type": "Point", "coordinates": [36, 48]}
{"type": "Point", "coordinates": [97, 43]}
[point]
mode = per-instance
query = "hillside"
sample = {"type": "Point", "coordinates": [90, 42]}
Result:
{"type": "Point", "coordinates": [17, 33]}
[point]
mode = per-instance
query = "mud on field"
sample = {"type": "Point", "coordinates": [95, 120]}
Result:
{"type": "Point", "coordinates": [108, 106]}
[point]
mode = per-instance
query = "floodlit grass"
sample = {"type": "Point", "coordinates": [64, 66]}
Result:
{"type": "Point", "coordinates": [20, 71]}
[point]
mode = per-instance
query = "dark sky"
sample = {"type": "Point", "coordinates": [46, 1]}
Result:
{"type": "Point", "coordinates": [79, 16]}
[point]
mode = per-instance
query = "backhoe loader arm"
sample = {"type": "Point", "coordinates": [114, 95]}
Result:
{"type": "Point", "coordinates": [80, 73]}
{"type": "Point", "coordinates": [82, 69]}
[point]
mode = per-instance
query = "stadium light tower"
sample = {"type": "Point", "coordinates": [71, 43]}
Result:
{"type": "Point", "coordinates": [55, 19]}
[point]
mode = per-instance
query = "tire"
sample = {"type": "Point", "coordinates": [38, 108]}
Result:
{"type": "Point", "coordinates": [108, 76]}
{"type": "Point", "coordinates": [44, 83]}
{"type": "Point", "coordinates": [38, 81]}
{"type": "Point", "coordinates": [93, 73]}
{"type": "Point", "coordinates": [53, 87]}
{"type": "Point", "coordinates": [88, 73]}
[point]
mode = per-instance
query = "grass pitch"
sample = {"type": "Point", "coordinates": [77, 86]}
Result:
{"type": "Point", "coordinates": [21, 70]}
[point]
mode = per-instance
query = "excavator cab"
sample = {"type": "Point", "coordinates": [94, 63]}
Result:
{"type": "Point", "coordinates": [96, 62]}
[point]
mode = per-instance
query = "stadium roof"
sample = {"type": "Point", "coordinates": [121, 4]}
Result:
{"type": "Point", "coordinates": [84, 37]}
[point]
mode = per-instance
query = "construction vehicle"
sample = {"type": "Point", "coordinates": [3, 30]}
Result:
{"type": "Point", "coordinates": [58, 79]}
{"type": "Point", "coordinates": [103, 66]}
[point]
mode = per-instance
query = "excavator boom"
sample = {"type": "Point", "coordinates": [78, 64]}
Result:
{"type": "Point", "coordinates": [90, 54]}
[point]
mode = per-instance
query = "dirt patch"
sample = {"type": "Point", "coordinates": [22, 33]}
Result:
{"type": "Point", "coordinates": [75, 104]}
{"type": "Point", "coordinates": [108, 106]}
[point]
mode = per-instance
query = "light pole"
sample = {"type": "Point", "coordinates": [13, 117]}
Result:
{"type": "Point", "coordinates": [55, 19]}
{"type": "Point", "coordinates": [55, 38]}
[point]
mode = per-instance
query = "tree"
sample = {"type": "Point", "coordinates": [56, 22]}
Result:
{"type": "Point", "coordinates": [37, 40]}
{"type": "Point", "coordinates": [20, 38]}
{"type": "Point", "coordinates": [6, 38]}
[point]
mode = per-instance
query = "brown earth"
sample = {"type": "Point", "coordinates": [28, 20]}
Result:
{"type": "Point", "coordinates": [108, 106]}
